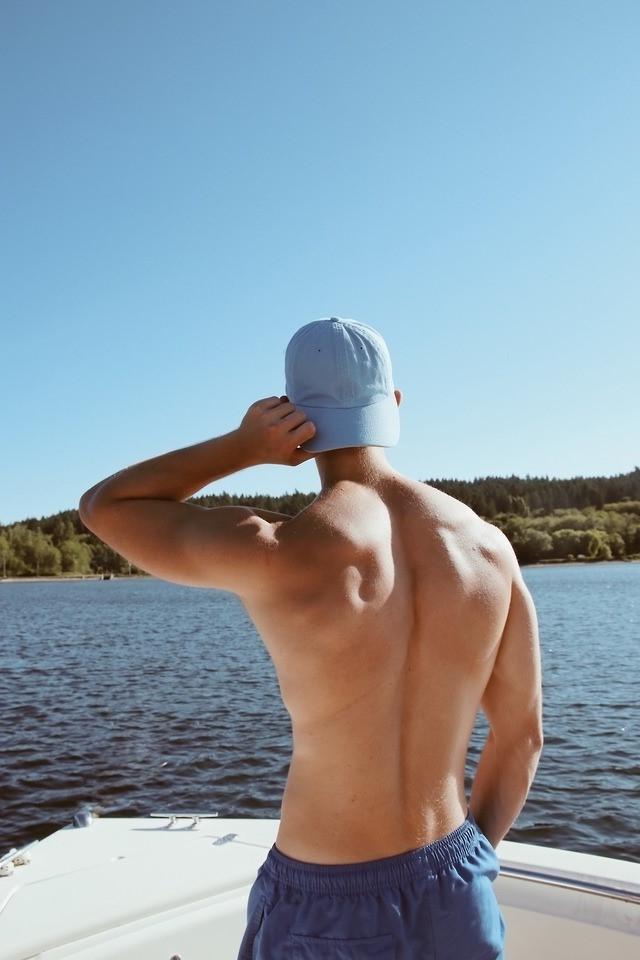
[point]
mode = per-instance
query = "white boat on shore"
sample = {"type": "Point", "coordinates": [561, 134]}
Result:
{"type": "Point", "coordinates": [175, 887]}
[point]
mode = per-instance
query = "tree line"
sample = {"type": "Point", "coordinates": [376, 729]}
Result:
{"type": "Point", "coordinates": [546, 519]}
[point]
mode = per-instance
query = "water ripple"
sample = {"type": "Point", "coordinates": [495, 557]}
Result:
{"type": "Point", "coordinates": [137, 695]}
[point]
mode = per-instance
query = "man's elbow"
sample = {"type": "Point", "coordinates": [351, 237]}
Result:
{"type": "Point", "coordinates": [527, 740]}
{"type": "Point", "coordinates": [532, 741]}
{"type": "Point", "coordinates": [87, 502]}
{"type": "Point", "coordinates": [537, 741]}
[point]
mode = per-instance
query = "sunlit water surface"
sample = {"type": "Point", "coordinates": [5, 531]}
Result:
{"type": "Point", "coordinates": [141, 695]}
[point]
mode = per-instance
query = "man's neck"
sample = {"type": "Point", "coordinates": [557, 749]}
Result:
{"type": "Point", "coordinates": [365, 465]}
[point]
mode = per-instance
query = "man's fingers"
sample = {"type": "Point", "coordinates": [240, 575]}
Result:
{"type": "Point", "coordinates": [294, 419]}
{"type": "Point", "coordinates": [304, 432]}
{"type": "Point", "coordinates": [280, 412]}
{"type": "Point", "coordinates": [269, 402]}
{"type": "Point", "coordinates": [291, 425]}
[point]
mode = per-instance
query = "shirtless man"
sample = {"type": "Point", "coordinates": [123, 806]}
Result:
{"type": "Point", "coordinates": [392, 613]}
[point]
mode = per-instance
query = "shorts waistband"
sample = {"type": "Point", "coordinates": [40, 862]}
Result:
{"type": "Point", "coordinates": [370, 874]}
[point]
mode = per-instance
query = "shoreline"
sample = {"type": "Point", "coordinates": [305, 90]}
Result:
{"type": "Point", "coordinates": [87, 576]}
{"type": "Point", "coordinates": [579, 563]}
{"type": "Point", "coordinates": [149, 576]}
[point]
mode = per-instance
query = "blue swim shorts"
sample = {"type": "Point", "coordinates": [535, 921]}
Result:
{"type": "Point", "coordinates": [436, 902]}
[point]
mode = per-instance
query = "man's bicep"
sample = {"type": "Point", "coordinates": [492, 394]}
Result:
{"type": "Point", "coordinates": [512, 700]}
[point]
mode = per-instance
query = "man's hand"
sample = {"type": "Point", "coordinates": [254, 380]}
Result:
{"type": "Point", "coordinates": [271, 431]}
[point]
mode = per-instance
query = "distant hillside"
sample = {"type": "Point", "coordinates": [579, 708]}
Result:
{"type": "Point", "coordinates": [546, 519]}
{"type": "Point", "coordinates": [489, 496]}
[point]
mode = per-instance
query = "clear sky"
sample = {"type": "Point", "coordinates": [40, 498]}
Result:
{"type": "Point", "coordinates": [184, 184]}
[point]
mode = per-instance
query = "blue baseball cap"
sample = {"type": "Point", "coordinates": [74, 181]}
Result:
{"type": "Point", "coordinates": [339, 373]}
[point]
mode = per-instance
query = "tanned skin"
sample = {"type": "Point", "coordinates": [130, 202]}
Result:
{"type": "Point", "coordinates": [392, 613]}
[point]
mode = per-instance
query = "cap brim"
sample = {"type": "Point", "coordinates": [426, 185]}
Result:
{"type": "Point", "coordinates": [376, 425]}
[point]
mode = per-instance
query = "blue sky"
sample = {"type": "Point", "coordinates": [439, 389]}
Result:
{"type": "Point", "coordinates": [185, 184]}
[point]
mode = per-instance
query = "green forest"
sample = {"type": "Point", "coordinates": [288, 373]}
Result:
{"type": "Point", "coordinates": [546, 519]}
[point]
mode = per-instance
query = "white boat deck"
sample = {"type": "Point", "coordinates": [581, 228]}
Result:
{"type": "Point", "coordinates": [139, 888]}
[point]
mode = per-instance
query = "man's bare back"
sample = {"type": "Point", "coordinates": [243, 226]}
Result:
{"type": "Point", "coordinates": [383, 617]}
{"type": "Point", "coordinates": [391, 612]}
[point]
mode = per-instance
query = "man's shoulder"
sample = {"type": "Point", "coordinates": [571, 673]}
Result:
{"type": "Point", "coordinates": [461, 514]}
{"type": "Point", "coordinates": [498, 548]}
{"type": "Point", "coordinates": [312, 525]}
{"type": "Point", "coordinates": [472, 531]}
{"type": "Point", "coordinates": [336, 528]}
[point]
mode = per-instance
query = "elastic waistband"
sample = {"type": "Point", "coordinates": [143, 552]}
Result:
{"type": "Point", "coordinates": [370, 874]}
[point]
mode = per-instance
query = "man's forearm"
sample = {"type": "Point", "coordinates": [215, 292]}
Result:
{"type": "Point", "coordinates": [501, 786]}
{"type": "Point", "coordinates": [176, 475]}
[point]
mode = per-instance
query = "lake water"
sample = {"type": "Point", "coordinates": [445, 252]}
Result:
{"type": "Point", "coordinates": [141, 695]}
